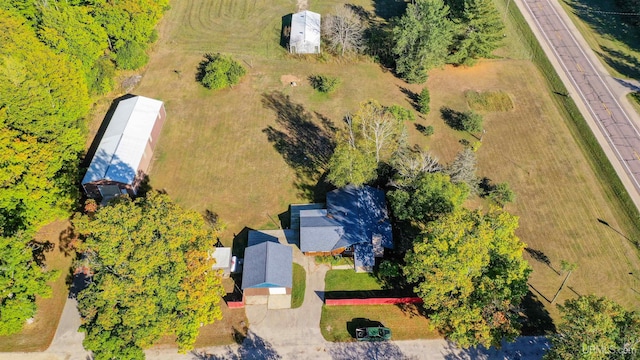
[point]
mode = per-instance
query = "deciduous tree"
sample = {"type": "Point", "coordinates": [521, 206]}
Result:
{"type": "Point", "coordinates": [21, 280]}
{"type": "Point", "coordinates": [219, 71]}
{"type": "Point", "coordinates": [344, 31]}
{"type": "Point", "coordinates": [595, 328]}
{"type": "Point", "coordinates": [411, 163]}
{"type": "Point", "coordinates": [372, 135]}
{"type": "Point", "coordinates": [72, 31]}
{"type": "Point", "coordinates": [152, 276]}
{"type": "Point", "coordinates": [422, 38]}
{"type": "Point", "coordinates": [468, 269]}
{"type": "Point", "coordinates": [426, 197]}
{"type": "Point", "coordinates": [43, 100]}
{"type": "Point", "coordinates": [379, 129]}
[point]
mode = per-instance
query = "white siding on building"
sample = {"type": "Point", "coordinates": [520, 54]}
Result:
{"type": "Point", "coordinates": [305, 33]}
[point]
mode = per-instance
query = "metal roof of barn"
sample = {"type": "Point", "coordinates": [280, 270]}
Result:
{"type": "Point", "coordinates": [122, 146]}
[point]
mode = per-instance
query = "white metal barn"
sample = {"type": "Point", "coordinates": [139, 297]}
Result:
{"type": "Point", "coordinates": [126, 148]}
{"type": "Point", "coordinates": [305, 33]}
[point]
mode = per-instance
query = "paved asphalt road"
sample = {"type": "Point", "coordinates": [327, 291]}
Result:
{"type": "Point", "coordinates": [578, 63]}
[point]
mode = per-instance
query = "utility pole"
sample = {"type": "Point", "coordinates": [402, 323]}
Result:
{"type": "Point", "coordinates": [568, 267]}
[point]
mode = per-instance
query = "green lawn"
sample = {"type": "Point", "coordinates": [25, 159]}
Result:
{"type": "Point", "coordinates": [334, 260]}
{"type": "Point", "coordinates": [299, 285]}
{"type": "Point", "coordinates": [338, 322]}
{"type": "Point", "coordinates": [349, 280]}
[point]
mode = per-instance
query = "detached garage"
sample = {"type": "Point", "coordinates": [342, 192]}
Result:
{"type": "Point", "coordinates": [125, 151]}
{"type": "Point", "coordinates": [267, 275]}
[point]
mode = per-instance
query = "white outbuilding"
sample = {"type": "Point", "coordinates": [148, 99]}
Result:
{"type": "Point", "coordinates": [125, 151]}
{"type": "Point", "coordinates": [305, 33]}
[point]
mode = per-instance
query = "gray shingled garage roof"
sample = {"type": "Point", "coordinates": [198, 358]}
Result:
{"type": "Point", "coordinates": [267, 264]}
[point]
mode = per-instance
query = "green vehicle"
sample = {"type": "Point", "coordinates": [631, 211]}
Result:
{"type": "Point", "coordinates": [376, 333]}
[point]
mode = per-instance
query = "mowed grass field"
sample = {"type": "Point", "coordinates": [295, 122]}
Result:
{"type": "Point", "coordinates": [214, 153]}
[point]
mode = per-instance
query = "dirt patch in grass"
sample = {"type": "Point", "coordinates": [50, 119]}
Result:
{"type": "Point", "coordinates": [406, 322]}
{"type": "Point", "coordinates": [290, 80]}
{"type": "Point", "coordinates": [38, 335]}
{"type": "Point", "coordinates": [488, 100]}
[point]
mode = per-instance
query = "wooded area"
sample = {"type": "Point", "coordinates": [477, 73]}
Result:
{"type": "Point", "coordinates": [53, 58]}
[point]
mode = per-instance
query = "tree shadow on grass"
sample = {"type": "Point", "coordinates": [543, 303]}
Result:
{"type": "Point", "coordinates": [536, 318]}
{"type": "Point", "coordinates": [600, 15]}
{"type": "Point", "coordinates": [540, 256]}
{"type": "Point", "coordinates": [388, 9]}
{"type": "Point", "coordinates": [622, 62]}
{"type": "Point", "coordinates": [305, 141]}
{"type": "Point", "coordinates": [453, 118]}
{"type": "Point", "coordinates": [412, 97]}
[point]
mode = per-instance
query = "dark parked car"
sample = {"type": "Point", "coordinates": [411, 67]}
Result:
{"type": "Point", "coordinates": [377, 333]}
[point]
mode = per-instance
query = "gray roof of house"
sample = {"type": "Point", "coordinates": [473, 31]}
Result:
{"type": "Point", "coordinates": [363, 255]}
{"type": "Point", "coordinates": [359, 212]}
{"type": "Point", "coordinates": [267, 264]}
{"type": "Point", "coordinates": [256, 237]}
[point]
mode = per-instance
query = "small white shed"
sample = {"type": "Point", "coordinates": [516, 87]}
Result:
{"type": "Point", "coordinates": [305, 33]}
{"type": "Point", "coordinates": [222, 255]}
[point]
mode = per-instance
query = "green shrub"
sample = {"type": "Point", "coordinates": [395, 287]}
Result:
{"type": "Point", "coordinates": [401, 113]}
{"type": "Point", "coordinates": [502, 194]}
{"type": "Point", "coordinates": [219, 71]}
{"type": "Point", "coordinates": [423, 101]}
{"type": "Point", "coordinates": [471, 121]}
{"type": "Point", "coordinates": [462, 121]}
{"type": "Point", "coordinates": [425, 130]}
{"type": "Point", "coordinates": [324, 83]}
{"type": "Point", "coordinates": [131, 56]}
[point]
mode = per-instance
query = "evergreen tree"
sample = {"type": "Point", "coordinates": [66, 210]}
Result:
{"type": "Point", "coordinates": [422, 39]}
{"type": "Point", "coordinates": [480, 32]}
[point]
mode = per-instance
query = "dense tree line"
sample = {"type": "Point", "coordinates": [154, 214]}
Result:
{"type": "Point", "coordinates": [53, 57]}
{"type": "Point", "coordinates": [95, 36]}
{"type": "Point", "coordinates": [434, 32]}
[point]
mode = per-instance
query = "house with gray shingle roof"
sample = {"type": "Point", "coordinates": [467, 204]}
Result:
{"type": "Point", "coordinates": [267, 275]}
{"type": "Point", "coordinates": [354, 223]}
